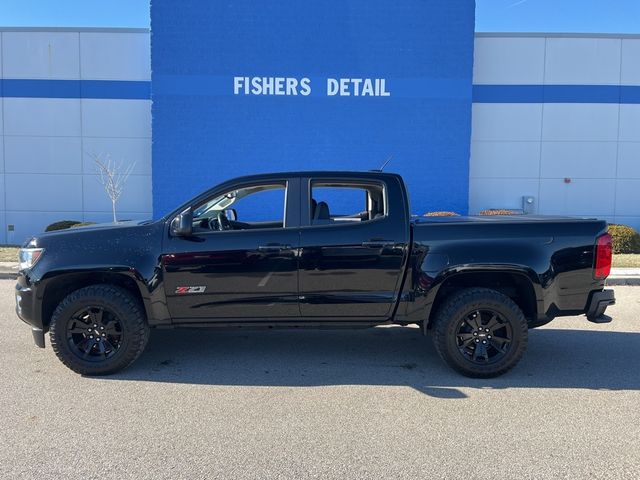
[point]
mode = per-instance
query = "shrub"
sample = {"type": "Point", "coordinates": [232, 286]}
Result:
{"type": "Point", "coordinates": [625, 239]}
{"type": "Point", "coordinates": [499, 211]}
{"type": "Point", "coordinates": [82, 224]}
{"type": "Point", "coordinates": [61, 225]}
{"type": "Point", "coordinates": [441, 214]}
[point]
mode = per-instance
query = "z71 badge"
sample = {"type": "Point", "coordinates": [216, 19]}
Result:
{"type": "Point", "coordinates": [184, 290]}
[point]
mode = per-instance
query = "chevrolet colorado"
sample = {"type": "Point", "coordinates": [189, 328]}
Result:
{"type": "Point", "coordinates": [312, 249]}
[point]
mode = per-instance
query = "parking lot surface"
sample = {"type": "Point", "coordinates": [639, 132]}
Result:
{"type": "Point", "coordinates": [374, 403]}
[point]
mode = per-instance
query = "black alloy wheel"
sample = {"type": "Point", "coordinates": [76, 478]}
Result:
{"type": "Point", "coordinates": [480, 332]}
{"type": "Point", "coordinates": [99, 329]}
{"type": "Point", "coordinates": [484, 337]}
{"type": "Point", "coordinates": [94, 334]}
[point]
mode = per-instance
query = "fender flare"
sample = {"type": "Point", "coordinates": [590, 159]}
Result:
{"type": "Point", "coordinates": [57, 281]}
{"type": "Point", "coordinates": [424, 302]}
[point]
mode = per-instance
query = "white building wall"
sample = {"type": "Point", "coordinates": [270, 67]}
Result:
{"type": "Point", "coordinates": [574, 158]}
{"type": "Point", "coordinates": [46, 144]}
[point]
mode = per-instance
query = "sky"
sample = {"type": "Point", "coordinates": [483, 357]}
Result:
{"type": "Point", "coordinates": [74, 13]}
{"type": "Point", "coordinates": [571, 16]}
{"type": "Point", "coordinates": [588, 16]}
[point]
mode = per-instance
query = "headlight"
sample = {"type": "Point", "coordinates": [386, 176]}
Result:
{"type": "Point", "coordinates": [29, 257]}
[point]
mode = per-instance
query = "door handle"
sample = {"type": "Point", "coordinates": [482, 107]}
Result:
{"type": "Point", "coordinates": [274, 247]}
{"type": "Point", "coordinates": [378, 244]}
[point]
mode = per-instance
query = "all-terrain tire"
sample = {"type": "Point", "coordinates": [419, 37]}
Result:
{"type": "Point", "coordinates": [132, 329]}
{"type": "Point", "coordinates": [456, 332]}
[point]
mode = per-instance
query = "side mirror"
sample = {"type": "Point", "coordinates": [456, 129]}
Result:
{"type": "Point", "coordinates": [231, 214]}
{"type": "Point", "coordinates": [182, 225]}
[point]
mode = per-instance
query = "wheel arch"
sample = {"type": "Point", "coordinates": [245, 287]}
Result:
{"type": "Point", "coordinates": [61, 285]}
{"type": "Point", "coordinates": [515, 284]}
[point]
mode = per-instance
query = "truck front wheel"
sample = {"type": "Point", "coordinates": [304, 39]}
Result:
{"type": "Point", "coordinates": [480, 332]}
{"type": "Point", "coordinates": [98, 330]}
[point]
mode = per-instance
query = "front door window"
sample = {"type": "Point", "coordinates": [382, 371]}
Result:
{"type": "Point", "coordinates": [246, 208]}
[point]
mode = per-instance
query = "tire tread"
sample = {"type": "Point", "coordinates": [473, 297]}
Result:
{"type": "Point", "coordinates": [457, 301]}
{"type": "Point", "coordinates": [136, 321]}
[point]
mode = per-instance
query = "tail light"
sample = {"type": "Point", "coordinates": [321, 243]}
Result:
{"type": "Point", "coordinates": [604, 250]}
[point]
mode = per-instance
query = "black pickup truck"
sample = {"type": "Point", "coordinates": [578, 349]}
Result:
{"type": "Point", "coordinates": [312, 249]}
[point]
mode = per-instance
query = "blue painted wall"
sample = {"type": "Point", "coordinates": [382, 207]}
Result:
{"type": "Point", "coordinates": [203, 133]}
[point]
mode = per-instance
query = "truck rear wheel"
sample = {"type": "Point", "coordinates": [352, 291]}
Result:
{"type": "Point", "coordinates": [480, 332]}
{"type": "Point", "coordinates": [98, 330]}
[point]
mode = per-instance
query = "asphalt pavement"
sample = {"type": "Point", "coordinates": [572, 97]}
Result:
{"type": "Point", "coordinates": [345, 404]}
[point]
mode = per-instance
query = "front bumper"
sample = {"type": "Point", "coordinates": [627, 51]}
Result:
{"type": "Point", "coordinates": [27, 310]}
{"type": "Point", "coordinates": [598, 304]}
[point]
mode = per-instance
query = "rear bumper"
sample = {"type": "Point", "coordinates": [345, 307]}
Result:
{"type": "Point", "coordinates": [598, 305]}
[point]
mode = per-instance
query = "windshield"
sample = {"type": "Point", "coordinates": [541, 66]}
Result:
{"type": "Point", "coordinates": [216, 204]}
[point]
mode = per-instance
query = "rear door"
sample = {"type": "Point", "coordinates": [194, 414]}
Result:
{"type": "Point", "coordinates": [353, 247]}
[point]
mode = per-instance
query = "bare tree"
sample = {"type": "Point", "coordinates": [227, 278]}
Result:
{"type": "Point", "coordinates": [113, 176]}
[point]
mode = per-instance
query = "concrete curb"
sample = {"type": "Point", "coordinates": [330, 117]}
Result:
{"type": "Point", "coordinates": [613, 281]}
{"type": "Point", "coordinates": [624, 276]}
{"type": "Point", "coordinates": [8, 270]}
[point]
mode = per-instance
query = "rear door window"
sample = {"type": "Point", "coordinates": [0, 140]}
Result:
{"type": "Point", "coordinates": [334, 203]}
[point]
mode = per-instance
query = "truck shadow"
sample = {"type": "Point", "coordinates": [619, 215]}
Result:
{"type": "Point", "coordinates": [381, 356]}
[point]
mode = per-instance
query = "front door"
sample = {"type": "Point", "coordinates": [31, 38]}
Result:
{"type": "Point", "coordinates": [243, 268]}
